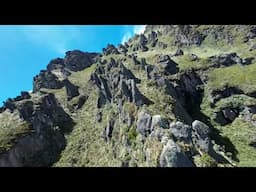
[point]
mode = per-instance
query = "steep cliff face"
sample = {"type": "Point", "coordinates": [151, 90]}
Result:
{"type": "Point", "coordinates": [175, 96]}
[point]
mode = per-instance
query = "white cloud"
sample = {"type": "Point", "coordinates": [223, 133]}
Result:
{"type": "Point", "coordinates": [52, 37]}
{"type": "Point", "coordinates": [137, 29]}
{"type": "Point", "coordinates": [126, 37]}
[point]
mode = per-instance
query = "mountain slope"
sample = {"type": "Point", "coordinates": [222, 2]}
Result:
{"type": "Point", "coordinates": [175, 96]}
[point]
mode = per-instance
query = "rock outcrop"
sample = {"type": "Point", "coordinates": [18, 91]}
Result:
{"type": "Point", "coordinates": [167, 64]}
{"type": "Point", "coordinates": [46, 79]}
{"type": "Point", "coordinates": [172, 156]}
{"type": "Point", "coordinates": [71, 90]}
{"type": "Point", "coordinates": [43, 145]}
{"type": "Point", "coordinates": [77, 60]}
{"type": "Point", "coordinates": [111, 49]}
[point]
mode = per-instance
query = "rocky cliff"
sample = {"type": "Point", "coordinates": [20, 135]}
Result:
{"type": "Point", "coordinates": [175, 96]}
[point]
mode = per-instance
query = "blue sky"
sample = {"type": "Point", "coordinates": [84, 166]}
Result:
{"type": "Point", "coordinates": [25, 50]}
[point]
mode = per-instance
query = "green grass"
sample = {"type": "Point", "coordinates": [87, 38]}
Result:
{"type": "Point", "coordinates": [235, 101]}
{"type": "Point", "coordinates": [236, 75]}
{"type": "Point", "coordinates": [204, 161]}
{"type": "Point", "coordinates": [11, 128]}
{"type": "Point", "coordinates": [81, 77]}
{"type": "Point", "coordinates": [240, 133]}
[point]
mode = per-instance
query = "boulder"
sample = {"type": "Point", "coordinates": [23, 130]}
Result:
{"type": "Point", "coordinates": [247, 61]}
{"type": "Point", "coordinates": [193, 57]}
{"type": "Point", "coordinates": [220, 119]}
{"type": "Point", "coordinates": [159, 121]}
{"type": "Point", "coordinates": [144, 123]}
{"type": "Point", "coordinates": [99, 116]}
{"type": "Point", "coordinates": [179, 52]}
{"type": "Point", "coordinates": [226, 115]}
{"type": "Point", "coordinates": [225, 92]}
{"type": "Point", "coordinates": [172, 156]}
{"type": "Point", "coordinates": [181, 132]}
{"type": "Point", "coordinates": [200, 134]}
{"type": "Point", "coordinates": [230, 113]}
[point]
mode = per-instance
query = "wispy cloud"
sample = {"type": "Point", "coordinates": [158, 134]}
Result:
{"type": "Point", "coordinates": [137, 29]}
{"type": "Point", "coordinates": [126, 37]}
{"type": "Point", "coordinates": [52, 37]}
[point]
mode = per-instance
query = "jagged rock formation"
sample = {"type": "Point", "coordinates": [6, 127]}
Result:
{"type": "Point", "coordinates": [174, 96]}
{"type": "Point", "coordinates": [45, 140]}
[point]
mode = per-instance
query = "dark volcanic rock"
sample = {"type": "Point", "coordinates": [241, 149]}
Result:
{"type": "Point", "coordinates": [122, 49]}
{"type": "Point", "coordinates": [43, 146]}
{"type": "Point", "coordinates": [144, 123]}
{"type": "Point", "coordinates": [77, 60]}
{"type": "Point", "coordinates": [179, 52]}
{"type": "Point", "coordinates": [82, 99]}
{"type": "Point", "coordinates": [251, 34]}
{"type": "Point", "coordinates": [152, 38]}
{"type": "Point", "coordinates": [193, 57]}
{"type": "Point", "coordinates": [101, 100]}
{"type": "Point", "coordinates": [46, 79]}
{"type": "Point", "coordinates": [114, 81]}
{"type": "Point", "coordinates": [72, 90]}
{"type": "Point", "coordinates": [172, 156]}
{"type": "Point", "coordinates": [57, 63]}
{"type": "Point", "coordinates": [184, 36]}
{"type": "Point", "coordinates": [225, 92]}
{"type": "Point", "coordinates": [26, 110]}
{"type": "Point", "coordinates": [135, 61]}
{"type": "Point", "coordinates": [107, 133]}
{"type": "Point", "coordinates": [181, 132]}
{"type": "Point", "coordinates": [247, 61]}
{"type": "Point", "coordinates": [9, 104]}
{"type": "Point", "coordinates": [140, 43]}
{"type": "Point", "coordinates": [230, 113]}
{"type": "Point", "coordinates": [169, 65]}
{"type": "Point", "coordinates": [23, 95]}
{"type": "Point", "coordinates": [99, 116]}
{"type": "Point", "coordinates": [226, 115]}
{"type": "Point", "coordinates": [110, 49]}
{"type": "Point", "coordinates": [201, 136]}
{"type": "Point", "coordinates": [49, 112]}
{"type": "Point", "coordinates": [219, 118]}
{"type": "Point", "coordinates": [2, 109]}
{"type": "Point", "coordinates": [35, 151]}
{"type": "Point", "coordinates": [225, 60]}
{"type": "Point", "coordinates": [189, 89]}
